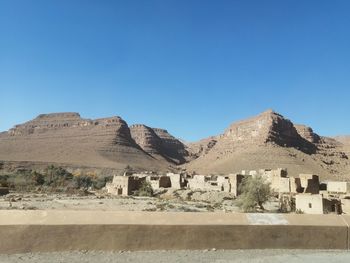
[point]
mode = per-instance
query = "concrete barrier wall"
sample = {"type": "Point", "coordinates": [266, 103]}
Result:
{"type": "Point", "coordinates": [45, 231]}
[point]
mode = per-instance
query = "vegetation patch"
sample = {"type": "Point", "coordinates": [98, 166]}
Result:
{"type": "Point", "coordinates": [255, 192]}
{"type": "Point", "coordinates": [51, 179]}
{"type": "Point", "coordinates": [145, 190]}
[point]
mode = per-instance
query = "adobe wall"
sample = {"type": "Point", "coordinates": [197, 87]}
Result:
{"type": "Point", "coordinates": [337, 187]}
{"type": "Point", "coordinates": [309, 204]}
{"type": "Point", "coordinates": [46, 231]}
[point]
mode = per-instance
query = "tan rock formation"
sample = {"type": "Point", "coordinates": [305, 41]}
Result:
{"type": "Point", "coordinates": [307, 133]}
{"type": "Point", "coordinates": [270, 141]}
{"type": "Point", "coordinates": [66, 138]}
{"type": "Point", "coordinates": [159, 143]}
{"type": "Point", "coordinates": [202, 147]}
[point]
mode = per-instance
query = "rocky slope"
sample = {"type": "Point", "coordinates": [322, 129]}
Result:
{"type": "Point", "coordinates": [68, 139]}
{"type": "Point", "coordinates": [202, 147]}
{"type": "Point", "coordinates": [270, 141]}
{"type": "Point", "coordinates": [307, 133]}
{"type": "Point", "coordinates": [159, 143]}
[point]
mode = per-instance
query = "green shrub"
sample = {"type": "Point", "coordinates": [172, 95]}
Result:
{"type": "Point", "coordinates": [38, 178]}
{"type": "Point", "coordinates": [21, 180]}
{"type": "Point", "coordinates": [3, 180]}
{"type": "Point", "coordinates": [56, 176]}
{"type": "Point", "coordinates": [82, 181]}
{"type": "Point", "coordinates": [52, 178]}
{"type": "Point", "coordinates": [255, 192]}
{"type": "Point", "coordinates": [145, 190]}
{"type": "Point", "coordinates": [100, 182]}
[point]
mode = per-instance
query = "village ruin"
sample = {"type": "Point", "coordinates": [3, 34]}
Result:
{"type": "Point", "coordinates": [302, 194]}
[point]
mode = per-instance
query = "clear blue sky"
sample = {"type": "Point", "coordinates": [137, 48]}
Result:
{"type": "Point", "coordinates": [192, 67]}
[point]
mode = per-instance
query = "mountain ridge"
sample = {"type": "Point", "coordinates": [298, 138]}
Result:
{"type": "Point", "coordinates": [267, 140]}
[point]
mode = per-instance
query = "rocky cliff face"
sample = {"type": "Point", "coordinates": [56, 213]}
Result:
{"type": "Point", "coordinates": [66, 138]}
{"type": "Point", "coordinates": [267, 127]}
{"type": "Point", "coordinates": [307, 133]}
{"type": "Point", "coordinates": [173, 147]}
{"type": "Point", "coordinates": [72, 125]}
{"type": "Point", "coordinates": [146, 138]}
{"type": "Point", "coordinates": [269, 141]}
{"type": "Point", "coordinates": [202, 147]}
{"type": "Point", "coordinates": [51, 121]}
{"type": "Point", "coordinates": [159, 143]}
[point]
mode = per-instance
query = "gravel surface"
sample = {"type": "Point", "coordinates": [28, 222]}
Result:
{"type": "Point", "coordinates": [204, 202]}
{"type": "Point", "coordinates": [220, 256]}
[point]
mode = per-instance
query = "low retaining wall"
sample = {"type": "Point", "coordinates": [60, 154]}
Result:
{"type": "Point", "coordinates": [46, 231]}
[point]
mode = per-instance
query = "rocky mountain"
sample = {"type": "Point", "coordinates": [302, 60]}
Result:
{"type": "Point", "coordinates": [159, 143]}
{"type": "Point", "coordinates": [69, 140]}
{"type": "Point", "coordinates": [307, 133]}
{"type": "Point", "coordinates": [203, 146]}
{"type": "Point", "coordinates": [269, 141]}
{"type": "Point", "coordinates": [265, 141]}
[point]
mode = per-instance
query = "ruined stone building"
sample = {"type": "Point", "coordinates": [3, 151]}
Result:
{"type": "Point", "coordinates": [235, 183]}
{"type": "Point", "coordinates": [304, 191]}
{"type": "Point", "coordinates": [227, 183]}
{"type": "Point", "coordinates": [311, 199]}
{"type": "Point", "coordinates": [274, 177]}
{"type": "Point", "coordinates": [129, 183]}
{"type": "Point", "coordinates": [157, 181]}
{"type": "Point", "coordinates": [309, 204]}
{"type": "Point", "coordinates": [177, 180]}
{"type": "Point", "coordinates": [279, 182]}
{"type": "Point", "coordinates": [337, 187]}
{"type": "Point", "coordinates": [309, 183]}
{"type": "Point", "coordinates": [204, 182]}
{"type": "Point", "coordinates": [317, 204]}
{"type": "Point", "coordinates": [124, 185]}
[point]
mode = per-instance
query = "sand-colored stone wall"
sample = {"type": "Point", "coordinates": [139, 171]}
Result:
{"type": "Point", "coordinates": [44, 231]}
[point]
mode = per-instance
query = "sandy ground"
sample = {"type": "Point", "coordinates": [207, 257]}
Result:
{"type": "Point", "coordinates": [199, 202]}
{"type": "Point", "coordinates": [105, 203]}
{"type": "Point", "coordinates": [220, 256]}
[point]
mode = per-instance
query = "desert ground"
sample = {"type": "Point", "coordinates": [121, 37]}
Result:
{"type": "Point", "coordinates": [174, 201]}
